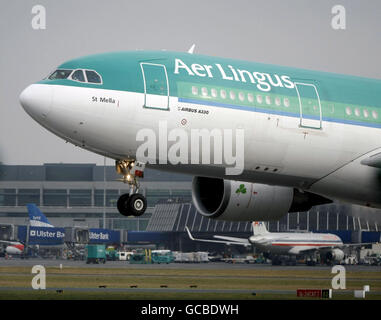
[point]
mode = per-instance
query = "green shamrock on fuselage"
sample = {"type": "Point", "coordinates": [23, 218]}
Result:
{"type": "Point", "coordinates": [241, 189]}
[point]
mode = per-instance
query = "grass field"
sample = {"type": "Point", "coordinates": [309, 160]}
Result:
{"type": "Point", "coordinates": [83, 283]}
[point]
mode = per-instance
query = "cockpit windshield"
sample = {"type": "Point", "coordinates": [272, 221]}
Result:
{"type": "Point", "coordinates": [60, 74]}
{"type": "Point", "coordinates": [93, 77]}
{"type": "Point", "coordinates": [79, 75]}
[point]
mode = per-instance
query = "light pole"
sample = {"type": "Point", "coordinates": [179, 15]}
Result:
{"type": "Point", "coordinates": [104, 193]}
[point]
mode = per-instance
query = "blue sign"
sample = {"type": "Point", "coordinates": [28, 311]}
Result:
{"type": "Point", "coordinates": [103, 236]}
{"type": "Point", "coordinates": [56, 236]}
{"type": "Point", "coordinates": [42, 235]}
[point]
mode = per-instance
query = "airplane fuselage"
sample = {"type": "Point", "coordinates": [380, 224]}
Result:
{"type": "Point", "coordinates": [294, 243]}
{"type": "Point", "coordinates": [302, 129]}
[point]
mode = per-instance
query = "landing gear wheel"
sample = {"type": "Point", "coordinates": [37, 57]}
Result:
{"type": "Point", "coordinates": [122, 204]}
{"type": "Point", "coordinates": [137, 204]}
{"type": "Point", "coordinates": [134, 205]}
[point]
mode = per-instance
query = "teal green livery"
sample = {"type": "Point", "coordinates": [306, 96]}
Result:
{"type": "Point", "coordinates": [235, 84]}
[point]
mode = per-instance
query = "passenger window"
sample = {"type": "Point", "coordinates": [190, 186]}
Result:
{"type": "Point", "coordinates": [277, 101]}
{"type": "Point", "coordinates": [286, 102]}
{"type": "Point", "coordinates": [93, 77]}
{"type": "Point", "coordinates": [259, 98]}
{"type": "Point", "coordinates": [232, 95]}
{"type": "Point", "coordinates": [375, 114]}
{"type": "Point", "coordinates": [213, 92]}
{"type": "Point", "coordinates": [223, 94]}
{"type": "Point", "coordinates": [268, 100]}
{"type": "Point", "coordinates": [204, 91]}
{"type": "Point", "coordinates": [357, 112]}
{"type": "Point", "coordinates": [78, 76]}
{"type": "Point", "coordinates": [348, 111]}
{"type": "Point", "coordinates": [60, 74]}
{"type": "Point", "coordinates": [241, 96]}
{"type": "Point", "coordinates": [366, 113]}
{"type": "Point", "coordinates": [194, 90]}
{"type": "Point", "coordinates": [250, 97]}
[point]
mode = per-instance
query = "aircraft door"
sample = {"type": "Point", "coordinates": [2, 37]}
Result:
{"type": "Point", "coordinates": [310, 105]}
{"type": "Point", "coordinates": [156, 87]}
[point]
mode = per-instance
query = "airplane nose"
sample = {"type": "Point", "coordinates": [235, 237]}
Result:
{"type": "Point", "coordinates": [36, 100]}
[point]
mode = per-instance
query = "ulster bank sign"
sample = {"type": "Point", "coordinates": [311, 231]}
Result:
{"type": "Point", "coordinates": [56, 236]}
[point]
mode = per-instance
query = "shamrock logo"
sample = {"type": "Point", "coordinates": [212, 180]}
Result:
{"type": "Point", "coordinates": [241, 189]}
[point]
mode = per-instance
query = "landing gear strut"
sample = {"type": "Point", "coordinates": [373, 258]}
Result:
{"type": "Point", "coordinates": [132, 203]}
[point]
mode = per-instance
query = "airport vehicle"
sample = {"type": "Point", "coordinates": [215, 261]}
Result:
{"type": "Point", "coordinates": [276, 244]}
{"type": "Point", "coordinates": [284, 139]}
{"type": "Point", "coordinates": [161, 256]}
{"type": "Point", "coordinates": [141, 256]}
{"type": "Point", "coordinates": [124, 255]}
{"type": "Point", "coordinates": [246, 259]}
{"type": "Point", "coordinates": [112, 254]}
{"type": "Point", "coordinates": [96, 253]}
{"type": "Point", "coordinates": [193, 257]}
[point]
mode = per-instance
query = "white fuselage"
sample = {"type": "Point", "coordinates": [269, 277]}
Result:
{"type": "Point", "coordinates": [276, 150]}
{"type": "Point", "coordinates": [294, 243]}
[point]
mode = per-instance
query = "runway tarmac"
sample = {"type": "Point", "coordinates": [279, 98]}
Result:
{"type": "Point", "coordinates": [203, 266]}
{"type": "Point", "coordinates": [123, 275]}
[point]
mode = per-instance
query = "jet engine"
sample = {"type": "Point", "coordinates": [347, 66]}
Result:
{"type": "Point", "coordinates": [243, 201]}
{"type": "Point", "coordinates": [334, 255]}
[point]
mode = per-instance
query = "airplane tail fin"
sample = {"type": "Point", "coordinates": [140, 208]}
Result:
{"type": "Point", "coordinates": [259, 228]}
{"type": "Point", "coordinates": [36, 217]}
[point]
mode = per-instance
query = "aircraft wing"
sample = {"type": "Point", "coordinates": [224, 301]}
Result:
{"type": "Point", "coordinates": [247, 243]}
{"type": "Point", "coordinates": [233, 239]}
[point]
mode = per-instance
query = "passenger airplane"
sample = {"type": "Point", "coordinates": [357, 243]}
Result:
{"type": "Point", "coordinates": [13, 247]}
{"type": "Point", "coordinates": [36, 219]}
{"type": "Point", "coordinates": [282, 243]}
{"type": "Point", "coordinates": [282, 139]}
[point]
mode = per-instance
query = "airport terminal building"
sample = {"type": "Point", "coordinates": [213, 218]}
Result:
{"type": "Point", "coordinates": [85, 195]}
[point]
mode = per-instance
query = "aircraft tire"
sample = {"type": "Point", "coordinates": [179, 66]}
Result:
{"type": "Point", "coordinates": [137, 204]}
{"type": "Point", "coordinates": [122, 204]}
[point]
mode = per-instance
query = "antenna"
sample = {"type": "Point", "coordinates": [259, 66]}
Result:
{"type": "Point", "coordinates": [191, 49]}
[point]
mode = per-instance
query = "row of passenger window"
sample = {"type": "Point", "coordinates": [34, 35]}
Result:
{"type": "Point", "coordinates": [365, 112]}
{"type": "Point", "coordinates": [80, 75]}
{"type": "Point", "coordinates": [222, 93]}
{"type": "Point", "coordinates": [267, 99]}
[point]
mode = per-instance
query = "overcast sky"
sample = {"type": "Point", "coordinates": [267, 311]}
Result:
{"type": "Point", "coordinates": [285, 32]}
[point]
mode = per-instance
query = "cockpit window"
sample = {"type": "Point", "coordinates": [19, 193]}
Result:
{"type": "Point", "coordinates": [93, 77]}
{"type": "Point", "coordinates": [78, 76]}
{"type": "Point", "coordinates": [60, 74]}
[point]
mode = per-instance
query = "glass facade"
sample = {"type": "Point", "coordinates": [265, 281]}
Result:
{"type": "Point", "coordinates": [8, 197]}
{"type": "Point", "coordinates": [28, 196]}
{"type": "Point", "coordinates": [55, 197]}
{"type": "Point", "coordinates": [154, 196]}
{"type": "Point", "coordinates": [83, 197]}
{"type": "Point", "coordinates": [111, 199]}
{"type": "Point", "coordinates": [80, 198]}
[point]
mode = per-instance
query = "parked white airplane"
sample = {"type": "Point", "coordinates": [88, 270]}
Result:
{"type": "Point", "coordinates": [261, 140]}
{"type": "Point", "coordinates": [13, 247]}
{"type": "Point", "coordinates": [286, 243]}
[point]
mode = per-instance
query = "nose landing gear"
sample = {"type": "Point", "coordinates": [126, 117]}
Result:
{"type": "Point", "coordinates": [132, 203]}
